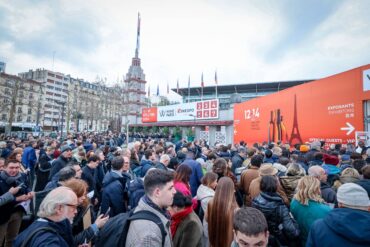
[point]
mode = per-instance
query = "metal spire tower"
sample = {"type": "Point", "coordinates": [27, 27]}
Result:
{"type": "Point", "coordinates": [138, 36]}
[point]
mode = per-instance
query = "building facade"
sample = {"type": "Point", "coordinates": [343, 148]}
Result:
{"type": "Point", "coordinates": [2, 67]}
{"type": "Point", "coordinates": [21, 102]}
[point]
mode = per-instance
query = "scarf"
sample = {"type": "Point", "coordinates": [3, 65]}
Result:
{"type": "Point", "coordinates": [178, 218]}
{"type": "Point", "coordinates": [163, 211]}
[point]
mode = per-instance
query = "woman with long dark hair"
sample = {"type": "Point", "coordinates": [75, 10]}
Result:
{"type": "Point", "coordinates": [220, 213]}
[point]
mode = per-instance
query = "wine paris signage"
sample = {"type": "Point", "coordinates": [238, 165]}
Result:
{"type": "Point", "coordinates": [329, 109]}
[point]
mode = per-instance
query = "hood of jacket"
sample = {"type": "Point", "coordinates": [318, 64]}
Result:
{"type": "Point", "coordinates": [351, 224]}
{"type": "Point", "coordinates": [111, 177]}
{"type": "Point", "coordinates": [204, 191]}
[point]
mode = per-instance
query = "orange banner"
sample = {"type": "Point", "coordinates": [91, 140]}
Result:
{"type": "Point", "coordinates": [329, 109]}
{"type": "Point", "coordinates": [149, 115]}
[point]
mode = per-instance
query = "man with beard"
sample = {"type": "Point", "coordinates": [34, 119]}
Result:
{"type": "Point", "coordinates": [53, 228]}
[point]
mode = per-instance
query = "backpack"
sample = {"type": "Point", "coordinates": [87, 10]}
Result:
{"type": "Point", "coordinates": [114, 232]}
{"type": "Point", "coordinates": [136, 191]}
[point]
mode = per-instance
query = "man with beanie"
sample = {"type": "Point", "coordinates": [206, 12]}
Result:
{"type": "Point", "coordinates": [347, 225]}
{"type": "Point", "coordinates": [58, 164]}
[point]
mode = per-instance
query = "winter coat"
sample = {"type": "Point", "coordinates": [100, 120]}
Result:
{"type": "Point", "coordinates": [42, 172]}
{"type": "Point", "coordinates": [88, 175]}
{"type": "Point", "coordinates": [29, 158]}
{"type": "Point", "coordinates": [289, 184]}
{"type": "Point", "coordinates": [145, 166]}
{"type": "Point", "coordinates": [327, 193]}
{"type": "Point", "coordinates": [161, 166]}
{"type": "Point", "coordinates": [254, 190]}
{"type": "Point", "coordinates": [6, 198]}
{"type": "Point", "coordinates": [276, 214]}
{"type": "Point", "coordinates": [306, 215]}
{"type": "Point", "coordinates": [245, 181]}
{"type": "Point", "coordinates": [237, 161]}
{"type": "Point", "coordinates": [189, 232]}
{"type": "Point", "coordinates": [145, 233]}
{"type": "Point", "coordinates": [58, 164]}
{"type": "Point", "coordinates": [114, 188]}
{"type": "Point", "coordinates": [342, 227]}
{"type": "Point", "coordinates": [80, 229]}
{"type": "Point", "coordinates": [62, 238]}
{"type": "Point", "coordinates": [196, 175]}
{"type": "Point", "coordinates": [204, 195]}
{"type": "Point", "coordinates": [6, 182]}
{"type": "Point", "coordinates": [365, 183]}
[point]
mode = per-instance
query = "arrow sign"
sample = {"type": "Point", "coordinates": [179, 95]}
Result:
{"type": "Point", "coordinates": [349, 128]}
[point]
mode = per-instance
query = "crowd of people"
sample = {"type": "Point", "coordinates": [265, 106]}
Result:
{"type": "Point", "coordinates": [91, 189]}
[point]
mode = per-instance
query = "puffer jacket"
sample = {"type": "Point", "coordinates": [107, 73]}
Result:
{"type": "Point", "coordinates": [280, 224]}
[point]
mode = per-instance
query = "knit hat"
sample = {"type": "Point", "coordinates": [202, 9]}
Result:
{"type": "Point", "coordinates": [316, 145]}
{"type": "Point", "coordinates": [65, 148]}
{"type": "Point", "coordinates": [330, 159]}
{"type": "Point", "coordinates": [353, 195]}
{"type": "Point", "coordinates": [267, 170]}
{"type": "Point", "coordinates": [304, 148]}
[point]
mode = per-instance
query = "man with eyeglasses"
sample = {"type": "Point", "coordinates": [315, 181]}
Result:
{"type": "Point", "coordinates": [53, 228]}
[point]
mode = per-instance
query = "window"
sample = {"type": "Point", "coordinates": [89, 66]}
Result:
{"type": "Point", "coordinates": [29, 111]}
{"type": "Point", "coordinates": [31, 96]}
{"type": "Point", "coordinates": [28, 119]}
{"type": "Point", "coordinates": [19, 118]}
{"type": "Point", "coordinates": [19, 109]}
{"type": "Point", "coordinates": [3, 117]}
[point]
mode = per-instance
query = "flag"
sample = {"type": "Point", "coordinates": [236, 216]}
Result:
{"type": "Point", "coordinates": [177, 90]}
{"type": "Point", "coordinates": [168, 88]}
{"type": "Point", "coordinates": [148, 91]}
{"type": "Point", "coordinates": [202, 83]}
{"type": "Point", "coordinates": [157, 89]}
{"type": "Point", "coordinates": [189, 89]}
{"type": "Point", "coordinates": [216, 78]}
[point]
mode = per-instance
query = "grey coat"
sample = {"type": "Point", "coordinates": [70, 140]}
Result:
{"type": "Point", "coordinates": [5, 198]}
{"type": "Point", "coordinates": [145, 233]}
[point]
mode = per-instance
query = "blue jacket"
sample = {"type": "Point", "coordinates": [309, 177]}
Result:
{"type": "Point", "coordinates": [342, 227]}
{"type": "Point", "coordinates": [63, 237]}
{"type": "Point", "coordinates": [29, 158]}
{"type": "Point", "coordinates": [145, 166]}
{"type": "Point", "coordinates": [114, 187]}
{"type": "Point", "coordinates": [196, 175]}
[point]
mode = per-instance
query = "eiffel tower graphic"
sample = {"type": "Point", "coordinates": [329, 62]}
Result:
{"type": "Point", "coordinates": [295, 137]}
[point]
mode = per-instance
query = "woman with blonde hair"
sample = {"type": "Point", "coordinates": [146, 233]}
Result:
{"type": "Point", "coordinates": [219, 214]}
{"type": "Point", "coordinates": [307, 205]}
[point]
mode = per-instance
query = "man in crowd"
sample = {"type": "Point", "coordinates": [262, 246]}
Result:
{"type": "Point", "coordinates": [196, 174]}
{"type": "Point", "coordinates": [250, 228]}
{"type": "Point", "coordinates": [114, 188]}
{"type": "Point", "coordinates": [88, 175]}
{"type": "Point", "coordinates": [29, 159]}
{"type": "Point", "coordinates": [159, 193]}
{"type": "Point", "coordinates": [61, 161]}
{"type": "Point", "coordinates": [347, 225]}
{"type": "Point", "coordinates": [53, 228]}
{"type": "Point", "coordinates": [238, 158]}
{"type": "Point", "coordinates": [11, 213]}
{"type": "Point", "coordinates": [163, 162]}
{"type": "Point", "coordinates": [327, 193]}
{"type": "Point", "coordinates": [249, 175]}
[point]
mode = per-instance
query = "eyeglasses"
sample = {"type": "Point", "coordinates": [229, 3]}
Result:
{"type": "Point", "coordinates": [71, 205]}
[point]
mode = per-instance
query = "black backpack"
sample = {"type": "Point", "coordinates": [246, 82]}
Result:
{"type": "Point", "coordinates": [114, 232]}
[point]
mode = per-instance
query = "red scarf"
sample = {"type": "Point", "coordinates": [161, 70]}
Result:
{"type": "Point", "coordinates": [177, 218]}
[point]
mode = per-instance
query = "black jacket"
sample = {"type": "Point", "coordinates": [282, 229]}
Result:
{"type": "Point", "coordinates": [237, 161]}
{"type": "Point", "coordinates": [280, 224]}
{"type": "Point", "coordinates": [58, 164]}
{"type": "Point", "coordinates": [6, 182]}
{"type": "Point", "coordinates": [327, 193]}
{"type": "Point", "coordinates": [114, 193]}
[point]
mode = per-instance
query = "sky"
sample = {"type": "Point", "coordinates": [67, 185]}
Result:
{"type": "Point", "coordinates": [245, 41]}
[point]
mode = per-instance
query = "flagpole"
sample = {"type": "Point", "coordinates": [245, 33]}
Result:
{"type": "Point", "coordinates": [189, 89]}
{"type": "Point", "coordinates": [216, 83]}
{"type": "Point", "coordinates": [202, 85]}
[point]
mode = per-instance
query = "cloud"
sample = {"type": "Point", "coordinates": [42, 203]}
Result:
{"type": "Point", "coordinates": [246, 41]}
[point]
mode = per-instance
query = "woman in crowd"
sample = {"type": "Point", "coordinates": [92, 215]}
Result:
{"type": "Point", "coordinates": [205, 193]}
{"type": "Point", "coordinates": [134, 159]}
{"type": "Point", "coordinates": [348, 175]}
{"type": "Point", "coordinates": [181, 182]}
{"type": "Point", "coordinates": [186, 227]}
{"type": "Point", "coordinates": [289, 182]}
{"type": "Point", "coordinates": [283, 229]}
{"type": "Point", "coordinates": [43, 169]}
{"type": "Point", "coordinates": [219, 214]}
{"type": "Point", "coordinates": [307, 205]}
{"type": "Point", "coordinates": [83, 231]}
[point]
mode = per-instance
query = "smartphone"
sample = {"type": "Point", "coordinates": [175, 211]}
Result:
{"type": "Point", "coordinates": [107, 213]}
{"type": "Point", "coordinates": [20, 185]}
